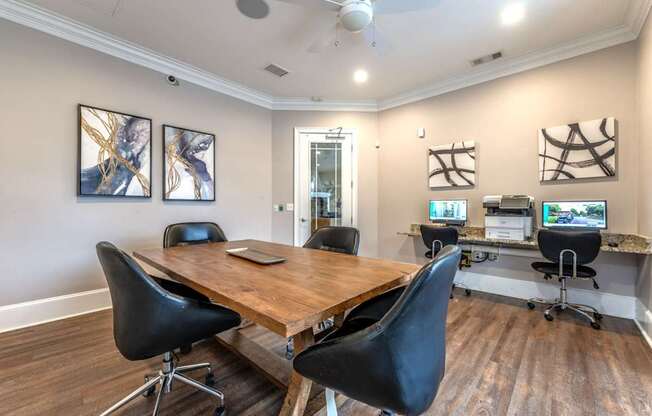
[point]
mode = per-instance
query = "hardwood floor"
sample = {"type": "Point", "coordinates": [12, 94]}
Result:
{"type": "Point", "coordinates": [502, 359]}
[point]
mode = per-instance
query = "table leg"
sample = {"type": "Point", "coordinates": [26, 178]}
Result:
{"type": "Point", "coordinates": [339, 320]}
{"type": "Point", "coordinates": [299, 388]}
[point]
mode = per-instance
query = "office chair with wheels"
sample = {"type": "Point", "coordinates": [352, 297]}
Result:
{"type": "Point", "coordinates": [150, 321]}
{"type": "Point", "coordinates": [338, 239]}
{"type": "Point", "coordinates": [394, 363]}
{"type": "Point", "coordinates": [435, 238]}
{"type": "Point", "coordinates": [568, 252]}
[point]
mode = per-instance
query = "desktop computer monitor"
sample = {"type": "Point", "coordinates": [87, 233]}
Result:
{"type": "Point", "coordinates": [448, 212]}
{"type": "Point", "coordinates": [577, 215]}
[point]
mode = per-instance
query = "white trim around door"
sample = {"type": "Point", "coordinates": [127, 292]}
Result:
{"type": "Point", "coordinates": [298, 131]}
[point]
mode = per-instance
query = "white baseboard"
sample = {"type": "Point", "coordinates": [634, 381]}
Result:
{"type": "Point", "coordinates": [643, 321]}
{"type": "Point", "coordinates": [21, 315]}
{"type": "Point", "coordinates": [607, 303]}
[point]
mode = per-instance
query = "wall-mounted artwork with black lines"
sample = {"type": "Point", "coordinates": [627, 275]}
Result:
{"type": "Point", "coordinates": [578, 151]}
{"type": "Point", "coordinates": [114, 154]}
{"type": "Point", "coordinates": [452, 165]}
{"type": "Point", "coordinates": [188, 165]}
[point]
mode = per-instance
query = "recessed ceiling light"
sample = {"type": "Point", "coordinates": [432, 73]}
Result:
{"type": "Point", "coordinates": [513, 14]}
{"type": "Point", "coordinates": [360, 76]}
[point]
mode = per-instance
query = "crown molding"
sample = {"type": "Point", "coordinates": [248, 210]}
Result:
{"type": "Point", "coordinates": [637, 15]}
{"type": "Point", "coordinates": [513, 66]}
{"type": "Point", "coordinates": [60, 26]}
{"type": "Point", "coordinates": [302, 104]}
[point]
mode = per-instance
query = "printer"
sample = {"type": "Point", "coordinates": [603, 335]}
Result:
{"type": "Point", "coordinates": [508, 217]}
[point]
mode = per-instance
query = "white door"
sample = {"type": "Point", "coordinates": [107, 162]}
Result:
{"type": "Point", "coordinates": [324, 181]}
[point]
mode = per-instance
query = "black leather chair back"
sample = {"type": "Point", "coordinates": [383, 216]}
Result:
{"type": "Point", "coordinates": [148, 320]}
{"type": "Point", "coordinates": [398, 363]}
{"type": "Point", "coordinates": [192, 233]}
{"type": "Point", "coordinates": [447, 235]}
{"type": "Point", "coordinates": [339, 239]}
{"type": "Point", "coordinates": [585, 243]}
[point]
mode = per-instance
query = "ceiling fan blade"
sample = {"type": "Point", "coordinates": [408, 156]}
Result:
{"type": "Point", "coordinates": [403, 6]}
{"type": "Point", "coordinates": [322, 4]}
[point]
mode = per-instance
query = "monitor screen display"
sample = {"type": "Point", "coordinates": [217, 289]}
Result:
{"type": "Point", "coordinates": [442, 211]}
{"type": "Point", "coordinates": [575, 214]}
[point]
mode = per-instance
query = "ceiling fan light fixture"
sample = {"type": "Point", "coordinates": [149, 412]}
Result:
{"type": "Point", "coordinates": [356, 15]}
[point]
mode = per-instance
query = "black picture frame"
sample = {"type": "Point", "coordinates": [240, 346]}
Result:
{"type": "Point", "coordinates": [80, 190]}
{"type": "Point", "coordinates": [165, 163]}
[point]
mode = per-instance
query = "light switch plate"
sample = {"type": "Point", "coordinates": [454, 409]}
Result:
{"type": "Point", "coordinates": [421, 133]}
{"type": "Point", "coordinates": [289, 207]}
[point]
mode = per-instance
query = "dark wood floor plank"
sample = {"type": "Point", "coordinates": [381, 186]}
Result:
{"type": "Point", "coordinates": [502, 359]}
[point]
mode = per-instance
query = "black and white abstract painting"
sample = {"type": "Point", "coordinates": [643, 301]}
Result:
{"type": "Point", "coordinates": [452, 165]}
{"type": "Point", "coordinates": [578, 151]}
{"type": "Point", "coordinates": [188, 165]}
{"type": "Point", "coordinates": [114, 154]}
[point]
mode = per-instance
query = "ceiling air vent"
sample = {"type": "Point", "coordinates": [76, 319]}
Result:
{"type": "Point", "coordinates": [276, 70]}
{"type": "Point", "coordinates": [486, 59]}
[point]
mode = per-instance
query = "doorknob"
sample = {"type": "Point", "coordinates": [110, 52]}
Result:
{"type": "Point", "coordinates": [304, 220]}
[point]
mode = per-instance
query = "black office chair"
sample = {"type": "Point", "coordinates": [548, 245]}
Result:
{"type": "Point", "coordinates": [150, 321]}
{"type": "Point", "coordinates": [339, 239]}
{"type": "Point", "coordinates": [568, 252]}
{"type": "Point", "coordinates": [183, 234]}
{"type": "Point", "coordinates": [188, 233]}
{"type": "Point", "coordinates": [435, 238]}
{"type": "Point", "coordinates": [396, 363]}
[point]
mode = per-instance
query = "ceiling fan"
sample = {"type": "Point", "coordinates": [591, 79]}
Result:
{"type": "Point", "coordinates": [354, 16]}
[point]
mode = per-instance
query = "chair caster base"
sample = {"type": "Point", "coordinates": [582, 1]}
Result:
{"type": "Point", "coordinates": [531, 305]}
{"type": "Point", "coordinates": [219, 411]}
{"type": "Point", "coordinates": [210, 380]}
{"type": "Point", "coordinates": [549, 318]}
{"type": "Point", "coordinates": [595, 325]}
{"type": "Point", "coordinates": [151, 391]}
{"type": "Point", "coordinates": [467, 292]}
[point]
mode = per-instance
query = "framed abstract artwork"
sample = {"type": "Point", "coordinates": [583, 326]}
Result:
{"type": "Point", "coordinates": [578, 151]}
{"type": "Point", "coordinates": [452, 165]}
{"type": "Point", "coordinates": [114, 154]}
{"type": "Point", "coordinates": [188, 165]}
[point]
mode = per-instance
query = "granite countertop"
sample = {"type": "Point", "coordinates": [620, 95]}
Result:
{"type": "Point", "coordinates": [627, 243]}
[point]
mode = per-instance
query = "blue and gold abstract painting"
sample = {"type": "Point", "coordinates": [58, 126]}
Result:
{"type": "Point", "coordinates": [114, 154]}
{"type": "Point", "coordinates": [188, 165]}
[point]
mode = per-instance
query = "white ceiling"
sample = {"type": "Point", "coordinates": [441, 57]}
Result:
{"type": "Point", "coordinates": [417, 50]}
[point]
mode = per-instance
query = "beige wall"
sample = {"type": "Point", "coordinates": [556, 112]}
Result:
{"type": "Point", "coordinates": [366, 124]}
{"type": "Point", "coordinates": [503, 117]}
{"type": "Point", "coordinates": [47, 233]}
{"type": "Point", "coordinates": [644, 287]}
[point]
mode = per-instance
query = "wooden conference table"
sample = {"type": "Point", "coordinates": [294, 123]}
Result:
{"type": "Point", "coordinates": [288, 298]}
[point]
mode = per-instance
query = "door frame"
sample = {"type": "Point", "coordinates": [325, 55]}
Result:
{"type": "Point", "coordinates": [298, 131]}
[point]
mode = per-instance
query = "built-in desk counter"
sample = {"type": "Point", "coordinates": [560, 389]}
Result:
{"type": "Point", "coordinates": [627, 243]}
